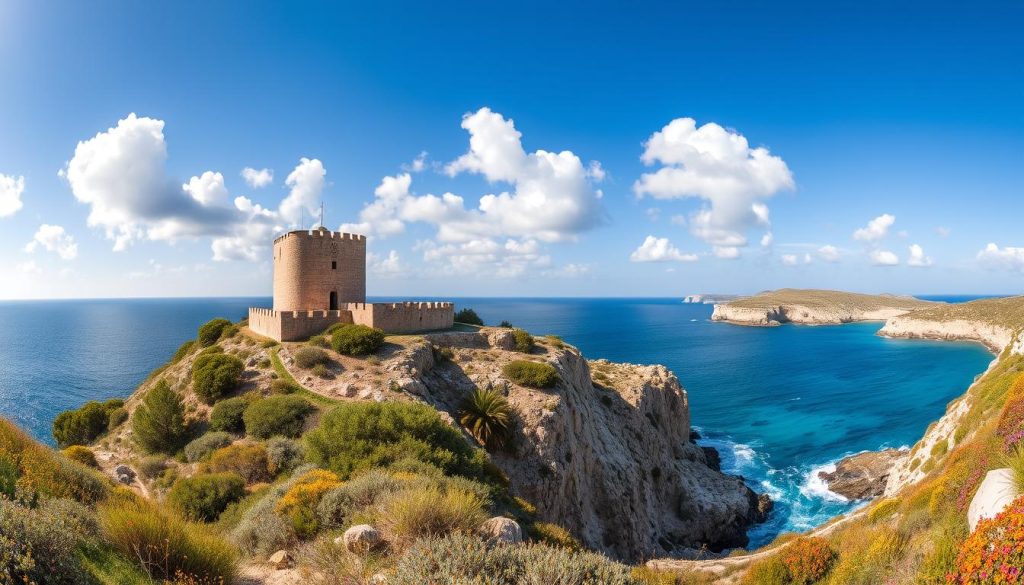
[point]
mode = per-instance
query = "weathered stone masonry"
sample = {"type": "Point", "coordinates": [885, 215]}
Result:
{"type": "Point", "coordinates": [320, 279]}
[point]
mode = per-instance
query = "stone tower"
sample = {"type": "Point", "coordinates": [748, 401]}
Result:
{"type": "Point", "coordinates": [319, 270]}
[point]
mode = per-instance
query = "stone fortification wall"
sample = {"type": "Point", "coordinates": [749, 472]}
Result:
{"type": "Point", "coordinates": [310, 265]}
{"type": "Point", "coordinates": [391, 317]}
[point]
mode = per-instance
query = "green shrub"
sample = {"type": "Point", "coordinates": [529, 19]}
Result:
{"type": "Point", "coordinates": [883, 509]}
{"type": "Point", "coordinates": [487, 415]}
{"type": "Point", "coordinates": [469, 317]}
{"type": "Point", "coordinates": [280, 386]}
{"type": "Point", "coordinates": [284, 454]}
{"type": "Point", "coordinates": [40, 545]}
{"type": "Point", "coordinates": [211, 331]}
{"type": "Point", "coordinates": [83, 425]}
{"type": "Point", "coordinates": [1015, 461]}
{"type": "Point", "coordinates": [229, 331]}
{"type": "Point", "coordinates": [158, 424]}
{"type": "Point", "coordinates": [165, 546]}
{"type": "Point", "coordinates": [116, 418]}
{"type": "Point", "coordinates": [553, 535]}
{"type": "Point", "coordinates": [248, 461]}
{"type": "Point", "coordinates": [462, 558]}
{"type": "Point", "coordinates": [214, 375]}
{"type": "Point", "coordinates": [531, 374]}
{"type": "Point", "coordinates": [83, 455]}
{"type": "Point", "coordinates": [203, 497]}
{"type": "Point", "coordinates": [200, 448]}
{"type": "Point", "coordinates": [298, 505]}
{"type": "Point", "coordinates": [336, 327]}
{"type": "Point", "coordinates": [338, 506]}
{"type": "Point", "coordinates": [523, 340]}
{"type": "Point", "coordinates": [357, 340]}
{"type": "Point", "coordinates": [321, 371]}
{"type": "Point", "coordinates": [319, 341]}
{"type": "Point", "coordinates": [307, 357]}
{"type": "Point", "coordinates": [152, 466]}
{"type": "Point", "coordinates": [364, 435]}
{"type": "Point", "coordinates": [939, 448]}
{"type": "Point", "coordinates": [227, 415]}
{"type": "Point", "coordinates": [183, 351]}
{"type": "Point", "coordinates": [769, 571]}
{"type": "Point", "coordinates": [277, 415]}
{"type": "Point", "coordinates": [261, 531]}
{"type": "Point", "coordinates": [427, 511]}
{"type": "Point", "coordinates": [505, 324]}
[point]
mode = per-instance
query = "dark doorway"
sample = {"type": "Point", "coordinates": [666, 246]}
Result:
{"type": "Point", "coordinates": [334, 301]}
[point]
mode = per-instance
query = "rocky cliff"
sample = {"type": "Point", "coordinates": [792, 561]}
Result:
{"type": "Point", "coordinates": [813, 307]}
{"type": "Point", "coordinates": [995, 337]}
{"type": "Point", "coordinates": [606, 453]}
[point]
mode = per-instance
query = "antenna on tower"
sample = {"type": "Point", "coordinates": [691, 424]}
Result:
{"type": "Point", "coordinates": [321, 214]}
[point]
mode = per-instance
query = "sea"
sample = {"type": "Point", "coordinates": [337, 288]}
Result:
{"type": "Point", "coordinates": [780, 404]}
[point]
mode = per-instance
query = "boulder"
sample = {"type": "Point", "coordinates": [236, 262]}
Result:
{"type": "Point", "coordinates": [360, 539]}
{"type": "Point", "coordinates": [713, 458]}
{"type": "Point", "coordinates": [764, 507]}
{"type": "Point", "coordinates": [997, 491]}
{"type": "Point", "coordinates": [862, 476]}
{"type": "Point", "coordinates": [125, 474]}
{"type": "Point", "coordinates": [501, 530]}
{"type": "Point", "coordinates": [280, 560]}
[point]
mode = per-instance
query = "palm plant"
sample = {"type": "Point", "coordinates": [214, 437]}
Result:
{"type": "Point", "coordinates": [488, 417]}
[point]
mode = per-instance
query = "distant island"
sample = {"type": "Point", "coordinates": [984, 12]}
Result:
{"type": "Point", "coordinates": [707, 299]}
{"type": "Point", "coordinates": [814, 307]}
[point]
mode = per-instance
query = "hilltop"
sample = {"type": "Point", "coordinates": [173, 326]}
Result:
{"type": "Point", "coordinates": [814, 307]}
{"type": "Point", "coordinates": [354, 456]}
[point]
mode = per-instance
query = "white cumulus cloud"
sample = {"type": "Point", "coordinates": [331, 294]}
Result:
{"type": "Point", "coordinates": [307, 185]}
{"type": "Point", "coordinates": [11, 188]}
{"type": "Point", "coordinates": [876, 229]}
{"type": "Point", "coordinates": [718, 166]}
{"type": "Point", "coordinates": [883, 258]}
{"type": "Point", "coordinates": [257, 179]}
{"type": "Point", "coordinates": [789, 259]}
{"type": "Point", "coordinates": [917, 257]}
{"type": "Point", "coordinates": [207, 189]}
{"type": "Point", "coordinates": [828, 253]}
{"type": "Point", "coordinates": [1009, 257]}
{"type": "Point", "coordinates": [54, 238]}
{"type": "Point", "coordinates": [659, 250]}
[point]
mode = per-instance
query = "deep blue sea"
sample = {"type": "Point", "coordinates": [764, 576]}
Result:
{"type": "Point", "coordinates": [779, 403]}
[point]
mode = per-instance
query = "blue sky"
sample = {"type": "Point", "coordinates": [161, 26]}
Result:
{"type": "Point", "coordinates": [594, 149]}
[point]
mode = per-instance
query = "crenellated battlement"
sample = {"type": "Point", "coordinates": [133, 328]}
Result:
{"type": "Point", "coordinates": [321, 234]}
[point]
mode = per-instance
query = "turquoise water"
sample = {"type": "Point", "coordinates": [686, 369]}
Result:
{"type": "Point", "coordinates": [779, 403]}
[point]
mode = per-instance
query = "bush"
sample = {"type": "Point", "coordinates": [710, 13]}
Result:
{"type": "Point", "coordinates": [505, 324]}
{"type": "Point", "coordinates": [427, 511]}
{"type": "Point", "coordinates": [523, 340]}
{"type": "Point", "coordinates": [248, 461]}
{"type": "Point", "coordinates": [214, 375]}
{"type": "Point", "coordinates": [227, 414]}
{"type": "Point", "coordinates": [116, 418]}
{"type": "Point", "coordinates": [488, 417]}
{"type": "Point", "coordinates": [299, 503]}
{"type": "Point", "coordinates": [203, 497]}
{"type": "Point", "coordinates": [261, 531]}
{"type": "Point", "coordinates": [165, 546]}
{"type": "Point", "coordinates": [183, 351]}
{"type": "Point", "coordinates": [336, 327]}
{"type": "Point", "coordinates": [469, 317]}
{"type": "Point", "coordinates": [307, 357]}
{"type": "Point", "coordinates": [200, 448]}
{"type": "Point", "coordinates": [364, 435]}
{"type": "Point", "coordinates": [769, 571]}
{"type": "Point", "coordinates": [83, 425]}
{"type": "Point", "coordinates": [158, 424]}
{"type": "Point", "coordinates": [276, 415]}
{"type": "Point", "coordinates": [553, 535]}
{"type": "Point", "coordinates": [211, 331]}
{"type": "Point", "coordinates": [280, 386]}
{"type": "Point", "coordinates": [808, 559]}
{"type": "Point", "coordinates": [357, 340]}
{"type": "Point", "coordinates": [37, 471]}
{"type": "Point", "coordinates": [993, 552]}
{"type": "Point", "coordinates": [319, 341]}
{"type": "Point", "coordinates": [883, 510]}
{"type": "Point", "coordinates": [338, 505]}
{"type": "Point", "coordinates": [83, 455]}
{"type": "Point", "coordinates": [321, 371]}
{"type": "Point", "coordinates": [152, 467]}
{"type": "Point", "coordinates": [531, 374]}
{"type": "Point", "coordinates": [461, 558]}
{"type": "Point", "coordinates": [283, 454]}
{"type": "Point", "coordinates": [40, 545]}
{"type": "Point", "coordinates": [1015, 461]}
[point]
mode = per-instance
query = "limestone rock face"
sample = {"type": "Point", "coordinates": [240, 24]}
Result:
{"type": "Point", "coordinates": [280, 560]}
{"type": "Point", "coordinates": [501, 530]}
{"type": "Point", "coordinates": [997, 491]}
{"type": "Point", "coordinates": [612, 462]}
{"type": "Point", "coordinates": [361, 538]}
{"type": "Point", "coordinates": [862, 476]}
{"type": "Point", "coordinates": [994, 337]}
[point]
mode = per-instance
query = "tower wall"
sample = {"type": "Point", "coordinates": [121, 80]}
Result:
{"type": "Point", "coordinates": [310, 265]}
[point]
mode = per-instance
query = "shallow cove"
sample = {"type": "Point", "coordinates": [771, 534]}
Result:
{"type": "Point", "coordinates": [778, 402]}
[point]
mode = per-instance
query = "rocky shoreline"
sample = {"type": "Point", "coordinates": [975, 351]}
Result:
{"type": "Point", "coordinates": [777, 315]}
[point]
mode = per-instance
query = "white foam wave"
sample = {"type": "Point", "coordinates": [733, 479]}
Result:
{"type": "Point", "coordinates": [814, 486]}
